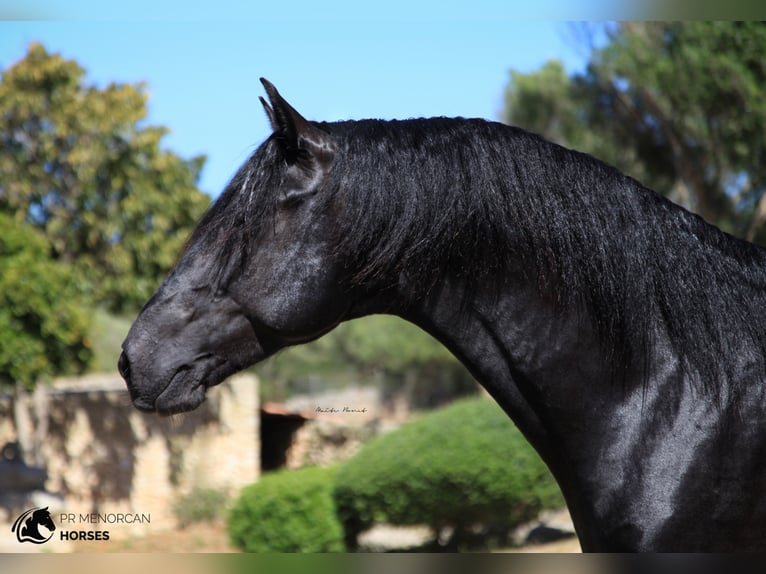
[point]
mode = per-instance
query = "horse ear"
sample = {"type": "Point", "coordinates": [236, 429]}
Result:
{"type": "Point", "coordinates": [270, 113]}
{"type": "Point", "coordinates": [306, 141]}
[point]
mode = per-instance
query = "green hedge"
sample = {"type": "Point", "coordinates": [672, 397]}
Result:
{"type": "Point", "coordinates": [287, 511]}
{"type": "Point", "coordinates": [465, 467]}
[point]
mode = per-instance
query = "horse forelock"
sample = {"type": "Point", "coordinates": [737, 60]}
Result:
{"type": "Point", "coordinates": [228, 228]}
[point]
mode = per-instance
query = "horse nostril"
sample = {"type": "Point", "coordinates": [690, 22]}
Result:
{"type": "Point", "coordinates": [123, 365]}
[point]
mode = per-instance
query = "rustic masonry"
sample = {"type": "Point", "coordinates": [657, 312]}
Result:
{"type": "Point", "coordinates": [104, 457]}
{"type": "Point", "coordinates": [337, 423]}
{"type": "Point", "coordinates": [102, 463]}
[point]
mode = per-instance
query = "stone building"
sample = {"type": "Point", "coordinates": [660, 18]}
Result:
{"type": "Point", "coordinates": [106, 461]}
{"type": "Point", "coordinates": [100, 460]}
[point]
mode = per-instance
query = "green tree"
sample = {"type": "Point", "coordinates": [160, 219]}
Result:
{"type": "Point", "coordinates": [680, 106]}
{"type": "Point", "coordinates": [78, 163]}
{"type": "Point", "coordinates": [43, 327]}
{"type": "Point", "coordinates": [400, 357]}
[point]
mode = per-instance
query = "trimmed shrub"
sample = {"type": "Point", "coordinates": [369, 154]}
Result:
{"type": "Point", "coordinates": [465, 469]}
{"type": "Point", "coordinates": [287, 511]}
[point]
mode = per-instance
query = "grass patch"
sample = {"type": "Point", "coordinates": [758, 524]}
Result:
{"type": "Point", "coordinates": [202, 504]}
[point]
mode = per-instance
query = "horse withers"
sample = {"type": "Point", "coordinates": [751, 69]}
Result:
{"type": "Point", "coordinates": [622, 334]}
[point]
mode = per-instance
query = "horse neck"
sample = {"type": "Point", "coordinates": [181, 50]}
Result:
{"type": "Point", "coordinates": [528, 355]}
{"type": "Point", "coordinates": [544, 368]}
{"type": "Point", "coordinates": [597, 433]}
{"type": "Point", "coordinates": [33, 528]}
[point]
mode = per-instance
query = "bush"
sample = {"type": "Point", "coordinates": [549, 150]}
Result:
{"type": "Point", "coordinates": [464, 469]}
{"type": "Point", "coordinates": [287, 511]}
{"type": "Point", "coordinates": [200, 505]}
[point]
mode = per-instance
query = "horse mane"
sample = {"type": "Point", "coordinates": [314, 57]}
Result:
{"type": "Point", "coordinates": [479, 201]}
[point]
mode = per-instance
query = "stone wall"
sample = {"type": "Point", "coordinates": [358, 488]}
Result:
{"type": "Point", "coordinates": [103, 456]}
{"type": "Point", "coordinates": [338, 423]}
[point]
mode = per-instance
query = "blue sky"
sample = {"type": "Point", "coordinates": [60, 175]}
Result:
{"type": "Point", "coordinates": [202, 65]}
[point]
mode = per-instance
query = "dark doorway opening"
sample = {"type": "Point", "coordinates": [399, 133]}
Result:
{"type": "Point", "coordinates": [277, 435]}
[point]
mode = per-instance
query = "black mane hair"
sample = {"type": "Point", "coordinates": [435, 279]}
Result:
{"type": "Point", "coordinates": [479, 201]}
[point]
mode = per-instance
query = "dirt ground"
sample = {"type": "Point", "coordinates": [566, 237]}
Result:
{"type": "Point", "coordinates": [212, 538]}
{"type": "Point", "coordinates": [203, 537]}
{"type": "Point", "coordinates": [567, 546]}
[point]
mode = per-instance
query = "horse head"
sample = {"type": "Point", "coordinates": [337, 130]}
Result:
{"type": "Point", "coordinates": [257, 274]}
{"type": "Point", "coordinates": [42, 517]}
{"type": "Point", "coordinates": [27, 526]}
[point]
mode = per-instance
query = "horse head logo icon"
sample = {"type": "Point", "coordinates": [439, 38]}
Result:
{"type": "Point", "coordinates": [27, 526]}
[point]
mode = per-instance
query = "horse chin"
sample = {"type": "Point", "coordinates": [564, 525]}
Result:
{"type": "Point", "coordinates": [173, 403]}
{"type": "Point", "coordinates": [187, 388]}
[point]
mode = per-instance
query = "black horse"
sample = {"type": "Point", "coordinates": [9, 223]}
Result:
{"type": "Point", "coordinates": [27, 526]}
{"type": "Point", "coordinates": [625, 336]}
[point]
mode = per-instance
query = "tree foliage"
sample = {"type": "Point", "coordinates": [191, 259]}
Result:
{"type": "Point", "coordinates": [43, 328]}
{"type": "Point", "coordinates": [679, 106]}
{"type": "Point", "coordinates": [78, 163]}
{"type": "Point", "coordinates": [403, 359]}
